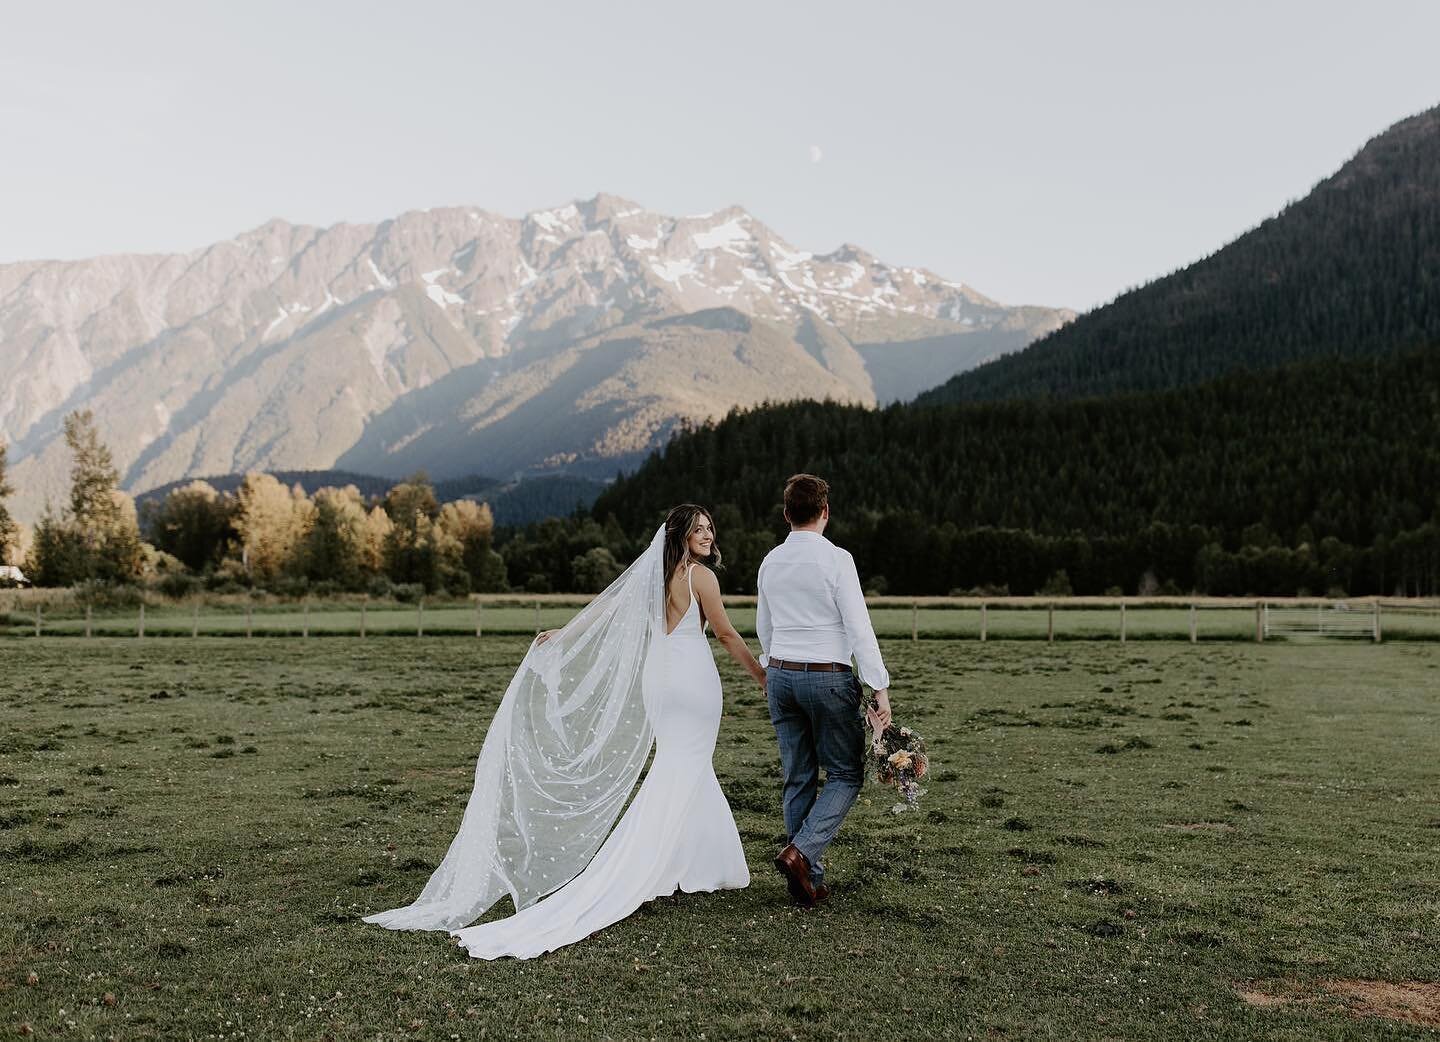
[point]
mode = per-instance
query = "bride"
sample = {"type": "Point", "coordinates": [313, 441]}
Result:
{"type": "Point", "coordinates": [565, 749]}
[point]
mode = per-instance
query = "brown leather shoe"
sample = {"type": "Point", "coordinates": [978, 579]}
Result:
{"type": "Point", "coordinates": [822, 892]}
{"type": "Point", "coordinates": [792, 865]}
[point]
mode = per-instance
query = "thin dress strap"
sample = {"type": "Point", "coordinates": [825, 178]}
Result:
{"type": "Point", "coordinates": [689, 585]}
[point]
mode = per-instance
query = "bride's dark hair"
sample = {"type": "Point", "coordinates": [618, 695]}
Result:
{"type": "Point", "coordinates": [679, 526]}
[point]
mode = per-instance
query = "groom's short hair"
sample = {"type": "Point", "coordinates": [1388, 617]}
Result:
{"type": "Point", "coordinates": [806, 498]}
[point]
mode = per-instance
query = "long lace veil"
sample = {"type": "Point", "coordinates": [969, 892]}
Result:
{"type": "Point", "coordinates": [560, 759]}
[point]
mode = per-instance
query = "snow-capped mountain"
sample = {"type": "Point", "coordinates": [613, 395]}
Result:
{"type": "Point", "coordinates": [461, 341]}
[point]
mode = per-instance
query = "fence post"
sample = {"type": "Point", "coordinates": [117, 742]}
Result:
{"type": "Point", "coordinates": [1122, 622]}
{"type": "Point", "coordinates": [305, 619]}
{"type": "Point", "coordinates": [420, 617]}
{"type": "Point", "coordinates": [1259, 623]}
{"type": "Point", "coordinates": [984, 623]}
{"type": "Point", "coordinates": [478, 608]}
{"type": "Point", "coordinates": [363, 605]}
{"type": "Point", "coordinates": [39, 615]}
{"type": "Point", "coordinates": [1192, 624]}
{"type": "Point", "coordinates": [140, 628]}
{"type": "Point", "coordinates": [249, 621]}
{"type": "Point", "coordinates": [195, 620]}
{"type": "Point", "coordinates": [1050, 624]}
{"type": "Point", "coordinates": [1376, 624]}
{"type": "Point", "coordinates": [88, 610]}
{"type": "Point", "coordinates": [537, 618]}
{"type": "Point", "coordinates": [914, 621]}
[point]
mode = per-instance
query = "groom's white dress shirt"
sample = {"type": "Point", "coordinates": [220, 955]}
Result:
{"type": "Point", "coordinates": [812, 608]}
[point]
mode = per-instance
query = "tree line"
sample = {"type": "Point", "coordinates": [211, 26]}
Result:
{"type": "Point", "coordinates": [1322, 478]}
{"type": "Point", "coordinates": [267, 535]}
{"type": "Point", "coordinates": [1315, 478]}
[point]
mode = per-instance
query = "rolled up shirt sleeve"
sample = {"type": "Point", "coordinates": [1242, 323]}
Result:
{"type": "Point", "coordinates": [764, 626]}
{"type": "Point", "coordinates": [858, 630]}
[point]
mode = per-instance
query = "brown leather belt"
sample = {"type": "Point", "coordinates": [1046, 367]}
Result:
{"type": "Point", "coordinates": [811, 667]}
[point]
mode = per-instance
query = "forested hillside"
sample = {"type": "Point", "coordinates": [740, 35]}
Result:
{"type": "Point", "coordinates": [1351, 269]}
{"type": "Point", "coordinates": [1319, 477]}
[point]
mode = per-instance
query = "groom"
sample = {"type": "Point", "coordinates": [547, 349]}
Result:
{"type": "Point", "coordinates": [811, 621]}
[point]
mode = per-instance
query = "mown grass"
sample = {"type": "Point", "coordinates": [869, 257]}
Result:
{"type": "Point", "coordinates": [1114, 836]}
{"type": "Point", "coordinates": [930, 622]}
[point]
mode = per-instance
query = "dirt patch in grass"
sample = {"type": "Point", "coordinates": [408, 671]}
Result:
{"type": "Point", "coordinates": [1199, 826]}
{"type": "Point", "coordinates": [1414, 1002]}
{"type": "Point", "coordinates": [1409, 1002]}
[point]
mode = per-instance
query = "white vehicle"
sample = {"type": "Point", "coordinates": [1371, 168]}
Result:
{"type": "Point", "coordinates": [12, 576]}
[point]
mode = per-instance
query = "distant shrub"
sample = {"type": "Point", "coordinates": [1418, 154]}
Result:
{"type": "Point", "coordinates": [109, 595]}
{"type": "Point", "coordinates": [1058, 585]}
{"type": "Point", "coordinates": [876, 586]}
{"type": "Point", "coordinates": [177, 585]}
{"type": "Point", "coordinates": [984, 590]}
{"type": "Point", "coordinates": [537, 582]}
{"type": "Point", "coordinates": [290, 586]}
{"type": "Point", "coordinates": [407, 593]}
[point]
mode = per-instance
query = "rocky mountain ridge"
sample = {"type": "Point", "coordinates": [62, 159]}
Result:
{"type": "Point", "coordinates": [461, 341]}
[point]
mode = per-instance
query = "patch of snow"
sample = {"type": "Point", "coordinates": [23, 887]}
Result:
{"type": "Point", "coordinates": [788, 258]}
{"type": "Point", "coordinates": [637, 243]}
{"type": "Point", "coordinates": [431, 276]}
{"type": "Point", "coordinates": [628, 213]}
{"type": "Point", "coordinates": [275, 322]}
{"type": "Point", "coordinates": [383, 280]}
{"type": "Point", "coordinates": [525, 273]}
{"type": "Point", "coordinates": [722, 235]}
{"type": "Point", "coordinates": [277, 260]}
{"type": "Point", "coordinates": [440, 295]}
{"type": "Point", "coordinates": [330, 301]}
{"type": "Point", "coordinates": [552, 220]}
{"type": "Point", "coordinates": [673, 270]}
{"type": "Point", "coordinates": [918, 278]}
{"type": "Point", "coordinates": [162, 414]}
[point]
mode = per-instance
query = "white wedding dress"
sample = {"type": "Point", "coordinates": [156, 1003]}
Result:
{"type": "Point", "coordinates": [678, 832]}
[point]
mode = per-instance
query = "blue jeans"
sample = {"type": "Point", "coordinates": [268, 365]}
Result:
{"type": "Point", "coordinates": [818, 721]}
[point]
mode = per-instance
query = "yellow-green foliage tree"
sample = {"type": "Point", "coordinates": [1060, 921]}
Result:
{"type": "Point", "coordinates": [193, 525]}
{"type": "Point", "coordinates": [471, 527]}
{"type": "Point", "coordinates": [335, 546]}
{"type": "Point", "coordinates": [97, 537]}
{"type": "Point", "coordinates": [270, 522]}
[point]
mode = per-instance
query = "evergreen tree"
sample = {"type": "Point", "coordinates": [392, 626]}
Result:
{"type": "Point", "coordinates": [8, 529]}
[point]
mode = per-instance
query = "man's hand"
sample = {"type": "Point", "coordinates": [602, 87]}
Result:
{"type": "Point", "coordinates": [544, 635]}
{"type": "Point", "coordinates": [880, 715]}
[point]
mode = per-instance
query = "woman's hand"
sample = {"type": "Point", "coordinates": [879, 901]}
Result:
{"type": "Point", "coordinates": [544, 635]}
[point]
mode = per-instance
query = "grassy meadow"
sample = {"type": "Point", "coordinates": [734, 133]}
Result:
{"type": "Point", "coordinates": [1118, 841]}
{"type": "Point", "coordinates": [928, 619]}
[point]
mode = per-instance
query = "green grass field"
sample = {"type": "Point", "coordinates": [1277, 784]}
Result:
{"type": "Point", "coordinates": [1116, 838]}
{"type": "Point", "coordinates": [449, 619]}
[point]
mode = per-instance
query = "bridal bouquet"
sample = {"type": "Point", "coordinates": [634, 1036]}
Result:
{"type": "Point", "coordinates": [897, 755]}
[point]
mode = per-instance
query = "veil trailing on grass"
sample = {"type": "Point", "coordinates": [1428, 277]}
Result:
{"type": "Point", "coordinates": [560, 759]}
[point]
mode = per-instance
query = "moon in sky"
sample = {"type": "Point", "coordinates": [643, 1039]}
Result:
{"type": "Point", "coordinates": [815, 154]}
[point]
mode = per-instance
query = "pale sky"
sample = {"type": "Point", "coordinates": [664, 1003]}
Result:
{"type": "Point", "coordinates": [1044, 153]}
